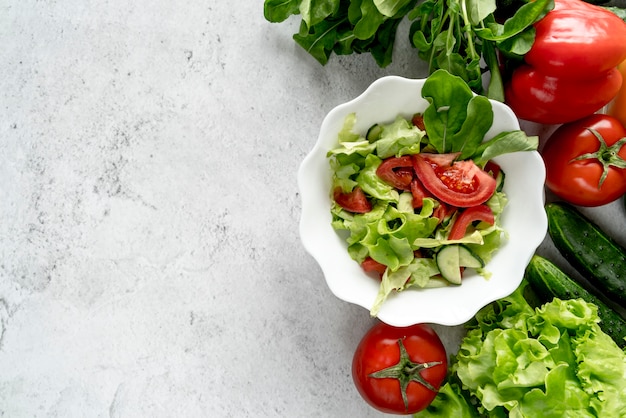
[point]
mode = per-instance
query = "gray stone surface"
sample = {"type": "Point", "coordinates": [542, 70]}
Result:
{"type": "Point", "coordinates": [150, 264]}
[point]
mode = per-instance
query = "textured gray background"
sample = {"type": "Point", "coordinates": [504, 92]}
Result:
{"type": "Point", "coordinates": [150, 264]}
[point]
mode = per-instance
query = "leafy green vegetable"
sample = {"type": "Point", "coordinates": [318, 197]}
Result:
{"type": "Point", "coordinates": [457, 121]}
{"type": "Point", "coordinates": [455, 35]}
{"type": "Point", "coordinates": [549, 361]}
{"type": "Point", "coordinates": [451, 401]}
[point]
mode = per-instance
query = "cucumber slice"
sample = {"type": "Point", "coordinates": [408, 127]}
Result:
{"type": "Point", "coordinates": [467, 258]}
{"type": "Point", "coordinates": [451, 258]}
{"type": "Point", "coordinates": [500, 181]}
{"type": "Point", "coordinates": [373, 133]}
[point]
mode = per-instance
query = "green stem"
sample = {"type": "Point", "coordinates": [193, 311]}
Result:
{"type": "Point", "coordinates": [406, 371]}
{"type": "Point", "coordinates": [495, 89]}
{"type": "Point", "coordinates": [468, 29]}
{"type": "Point", "coordinates": [607, 156]}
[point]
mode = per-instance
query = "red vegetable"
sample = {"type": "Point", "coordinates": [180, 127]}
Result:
{"type": "Point", "coordinates": [419, 193]}
{"type": "Point", "coordinates": [397, 172]}
{"type": "Point", "coordinates": [399, 370]}
{"type": "Point", "coordinates": [585, 161]}
{"type": "Point", "coordinates": [369, 265]}
{"type": "Point", "coordinates": [443, 211]}
{"type": "Point", "coordinates": [355, 201]}
{"type": "Point", "coordinates": [577, 40]}
{"type": "Point", "coordinates": [570, 69]}
{"type": "Point", "coordinates": [476, 213]}
{"type": "Point", "coordinates": [418, 120]}
{"type": "Point", "coordinates": [545, 99]}
{"type": "Point", "coordinates": [617, 107]}
{"type": "Point", "coordinates": [460, 183]}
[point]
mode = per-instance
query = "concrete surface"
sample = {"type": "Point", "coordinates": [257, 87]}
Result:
{"type": "Point", "coordinates": [150, 264]}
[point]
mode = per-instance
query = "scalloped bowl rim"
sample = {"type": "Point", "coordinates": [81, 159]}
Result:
{"type": "Point", "coordinates": [524, 219]}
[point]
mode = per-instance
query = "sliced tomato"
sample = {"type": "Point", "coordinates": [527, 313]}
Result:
{"type": "Point", "coordinates": [355, 201]}
{"type": "Point", "coordinates": [418, 120]}
{"type": "Point", "coordinates": [370, 265]}
{"type": "Point", "coordinates": [443, 160]}
{"type": "Point", "coordinates": [475, 213]}
{"type": "Point", "coordinates": [397, 172]}
{"type": "Point", "coordinates": [493, 168]}
{"type": "Point", "coordinates": [443, 211]}
{"type": "Point", "coordinates": [419, 193]}
{"type": "Point", "coordinates": [457, 183]}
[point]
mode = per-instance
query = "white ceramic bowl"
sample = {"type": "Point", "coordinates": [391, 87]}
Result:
{"type": "Point", "coordinates": [524, 218]}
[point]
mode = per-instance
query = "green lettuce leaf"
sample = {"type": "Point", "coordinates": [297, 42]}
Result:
{"type": "Point", "coordinates": [450, 402]}
{"type": "Point", "coordinates": [374, 185]}
{"type": "Point", "coordinates": [399, 138]}
{"type": "Point", "coordinates": [415, 274]}
{"type": "Point", "coordinates": [551, 361]}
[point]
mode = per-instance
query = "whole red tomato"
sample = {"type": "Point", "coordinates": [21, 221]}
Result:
{"type": "Point", "coordinates": [399, 370]}
{"type": "Point", "coordinates": [585, 161]}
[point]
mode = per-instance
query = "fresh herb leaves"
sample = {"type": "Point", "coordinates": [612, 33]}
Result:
{"type": "Point", "coordinates": [457, 121]}
{"type": "Point", "coordinates": [456, 35]}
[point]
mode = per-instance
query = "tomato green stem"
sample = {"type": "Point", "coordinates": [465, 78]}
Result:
{"type": "Point", "coordinates": [605, 155]}
{"type": "Point", "coordinates": [406, 371]}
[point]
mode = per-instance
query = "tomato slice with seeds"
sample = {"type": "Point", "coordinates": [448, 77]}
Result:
{"type": "Point", "coordinates": [397, 172]}
{"type": "Point", "coordinates": [476, 213]}
{"type": "Point", "coordinates": [355, 201]}
{"type": "Point", "coordinates": [457, 183]}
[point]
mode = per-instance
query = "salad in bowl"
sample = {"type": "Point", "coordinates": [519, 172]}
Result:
{"type": "Point", "coordinates": [422, 201]}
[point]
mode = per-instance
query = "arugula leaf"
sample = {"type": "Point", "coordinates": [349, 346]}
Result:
{"type": "Point", "coordinates": [315, 11]}
{"type": "Point", "coordinates": [381, 46]}
{"type": "Point", "coordinates": [504, 143]}
{"type": "Point", "coordinates": [369, 21]}
{"type": "Point", "coordinates": [319, 40]}
{"type": "Point", "coordinates": [390, 8]}
{"type": "Point", "coordinates": [279, 10]}
{"type": "Point", "coordinates": [480, 10]}
{"type": "Point", "coordinates": [456, 119]}
{"type": "Point", "coordinates": [518, 23]}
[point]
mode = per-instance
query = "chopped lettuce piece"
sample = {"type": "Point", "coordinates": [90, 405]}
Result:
{"type": "Point", "coordinates": [399, 138]}
{"type": "Point", "coordinates": [418, 272]}
{"type": "Point", "coordinates": [374, 185]}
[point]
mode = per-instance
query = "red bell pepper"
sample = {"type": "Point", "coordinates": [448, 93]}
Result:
{"type": "Point", "coordinates": [617, 108]}
{"type": "Point", "coordinates": [541, 98]}
{"type": "Point", "coordinates": [570, 71]}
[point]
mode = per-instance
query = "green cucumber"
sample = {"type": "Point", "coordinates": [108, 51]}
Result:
{"type": "Point", "coordinates": [548, 282]}
{"type": "Point", "coordinates": [500, 181]}
{"type": "Point", "coordinates": [451, 258]}
{"type": "Point", "coordinates": [373, 133]}
{"type": "Point", "coordinates": [597, 257]}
